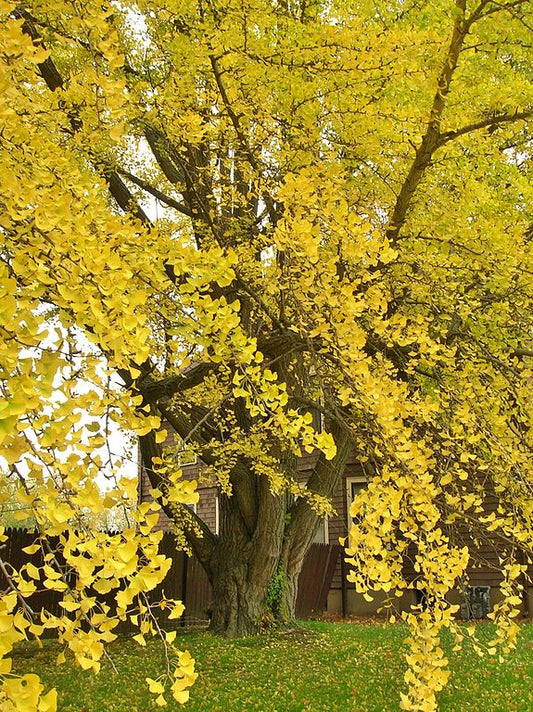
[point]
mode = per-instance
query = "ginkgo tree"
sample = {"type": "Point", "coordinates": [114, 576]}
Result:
{"type": "Point", "coordinates": [342, 221]}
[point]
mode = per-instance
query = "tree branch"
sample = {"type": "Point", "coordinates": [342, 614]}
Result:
{"type": "Point", "coordinates": [324, 481]}
{"type": "Point", "coordinates": [273, 347]}
{"type": "Point", "coordinates": [489, 122]}
{"type": "Point", "coordinates": [247, 152]}
{"type": "Point", "coordinates": [160, 147]}
{"type": "Point", "coordinates": [124, 197]}
{"type": "Point", "coordinates": [430, 140]}
{"type": "Point", "coordinates": [149, 188]}
{"type": "Point", "coordinates": [152, 391]}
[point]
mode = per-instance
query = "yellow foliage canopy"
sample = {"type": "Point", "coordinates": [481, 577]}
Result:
{"type": "Point", "coordinates": [237, 210]}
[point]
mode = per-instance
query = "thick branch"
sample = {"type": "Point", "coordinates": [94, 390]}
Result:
{"type": "Point", "coordinates": [124, 197]}
{"type": "Point", "coordinates": [522, 353]}
{"type": "Point", "coordinates": [149, 188]}
{"type": "Point", "coordinates": [324, 480]}
{"type": "Point", "coordinates": [245, 148]}
{"type": "Point", "coordinates": [488, 123]}
{"type": "Point", "coordinates": [160, 148]}
{"type": "Point", "coordinates": [190, 175]}
{"type": "Point", "coordinates": [430, 141]}
{"type": "Point", "coordinates": [273, 347]}
{"type": "Point", "coordinates": [177, 172]}
{"type": "Point", "coordinates": [47, 68]}
{"type": "Point", "coordinates": [153, 391]}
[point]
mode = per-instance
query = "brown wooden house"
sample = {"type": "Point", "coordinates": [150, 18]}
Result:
{"type": "Point", "coordinates": [340, 598]}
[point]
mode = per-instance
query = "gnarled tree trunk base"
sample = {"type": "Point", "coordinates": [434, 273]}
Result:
{"type": "Point", "coordinates": [242, 608]}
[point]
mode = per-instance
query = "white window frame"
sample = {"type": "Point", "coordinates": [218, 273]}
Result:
{"type": "Point", "coordinates": [193, 461]}
{"type": "Point", "coordinates": [217, 514]}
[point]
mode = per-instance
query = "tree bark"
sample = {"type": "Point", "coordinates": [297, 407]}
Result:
{"type": "Point", "coordinates": [243, 565]}
{"type": "Point", "coordinates": [239, 605]}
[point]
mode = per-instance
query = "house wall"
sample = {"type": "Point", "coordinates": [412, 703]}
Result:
{"type": "Point", "coordinates": [206, 507]}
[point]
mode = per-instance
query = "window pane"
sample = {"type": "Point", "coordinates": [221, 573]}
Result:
{"type": "Point", "coordinates": [356, 487]}
{"type": "Point", "coordinates": [320, 534]}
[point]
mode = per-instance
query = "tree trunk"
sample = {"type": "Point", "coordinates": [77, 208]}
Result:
{"type": "Point", "coordinates": [243, 605]}
{"type": "Point", "coordinates": [256, 562]}
{"type": "Point", "coordinates": [244, 564]}
{"type": "Point", "coordinates": [286, 613]}
{"type": "Point", "coordinates": [303, 522]}
{"type": "Point", "coordinates": [239, 605]}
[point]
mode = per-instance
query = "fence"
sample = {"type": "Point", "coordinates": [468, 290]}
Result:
{"type": "Point", "coordinates": [186, 579]}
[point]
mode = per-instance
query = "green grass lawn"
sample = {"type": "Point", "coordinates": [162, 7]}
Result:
{"type": "Point", "coordinates": [327, 667]}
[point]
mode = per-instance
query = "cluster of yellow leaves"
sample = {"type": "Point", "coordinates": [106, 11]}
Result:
{"type": "Point", "coordinates": [265, 395]}
{"type": "Point", "coordinates": [427, 673]}
{"type": "Point", "coordinates": [182, 677]}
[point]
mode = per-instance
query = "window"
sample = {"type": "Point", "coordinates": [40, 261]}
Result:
{"type": "Point", "coordinates": [354, 485]}
{"type": "Point", "coordinates": [186, 457]}
{"type": "Point", "coordinates": [322, 533]}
